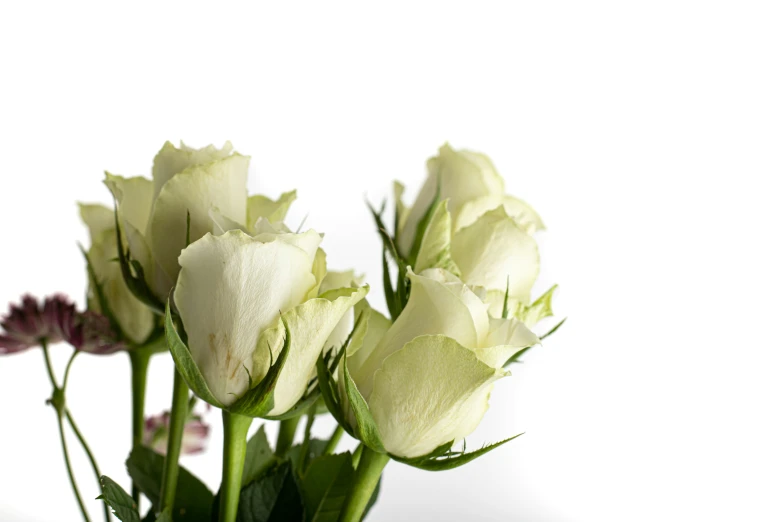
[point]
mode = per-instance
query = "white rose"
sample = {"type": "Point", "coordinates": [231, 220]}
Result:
{"type": "Point", "coordinates": [134, 318]}
{"type": "Point", "coordinates": [206, 183]}
{"type": "Point", "coordinates": [471, 184]}
{"type": "Point", "coordinates": [427, 377]}
{"type": "Point", "coordinates": [230, 293]}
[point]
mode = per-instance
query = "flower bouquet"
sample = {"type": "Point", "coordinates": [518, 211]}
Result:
{"type": "Point", "coordinates": [189, 266]}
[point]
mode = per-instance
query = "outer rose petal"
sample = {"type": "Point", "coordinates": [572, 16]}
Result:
{"type": "Point", "coordinates": [195, 190]}
{"type": "Point", "coordinates": [439, 304]}
{"type": "Point", "coordinates": [506, 337]}
{"type": "Point", "coordinates": [172, 160]}
{"type": "Point", "coordinates": [464, 176]}
{"type": "Point", "coordinates": [310, 323]}
{"type": "Point", "coordinates": [231, 288]}
{"type": "Point", "coordinates": [523, 214]}
{"type": "Point", "coordinates": [495, 249]}
{"type": "Point", "coordinates": [136, 320]}
{"type": "Point", "coordinates": [259, 206]}
{"type": "Point", "coordinates": [334, 281]}
{"type": "Point", "coordinates": [430, 392]}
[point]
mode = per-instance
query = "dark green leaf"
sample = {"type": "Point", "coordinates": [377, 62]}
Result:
{"type": "Point", "coordinates": [260, 400]}
{"type": "Point", "coordinates": [185, 364]}
{"type": "Point", "coordinates": [366, 427]}
{"type": "Point", "coordinates": [193, 501]}
{"type": "Point", "coordinates": [258, 457]}
{"type": "Point", "coordinates": [450, 460]}
{"type": "Point", "coordinates": [325, 486]}
{"type": "Point", "coordinates": [135, 283]}
{"type": "Point", "coordinates": [315, 448]}
{"type": "Point", "coordinates": [272, 497]}
{"type": "Point", "coordinates": [119, 501]}
{"type": "Point", "coordinates": [164, 517]}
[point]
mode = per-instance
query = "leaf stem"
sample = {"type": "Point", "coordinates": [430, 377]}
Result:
{"type": "Point", "coordinates": [285, 436]}
{"type": "Point", "coordinates": [304, 454]}
{"type": "Point", "coordinates": [139, 361]}
{"type": "Point", "coordinates": [367, 475]}
{"type": "Point", "coordinates": [331, 445]}
{"type": "Point", "coordinates": [90, 456]}
{"type": "Point", "coordinates": [58, 403]}
{"type": "Point", "coordinates": [234, 448]}
{"type": "Point", "coordinates": [179, 414]}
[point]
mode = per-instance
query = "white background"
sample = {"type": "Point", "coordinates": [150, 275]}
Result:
{"type": "Point", "coordinates": [647, 134]}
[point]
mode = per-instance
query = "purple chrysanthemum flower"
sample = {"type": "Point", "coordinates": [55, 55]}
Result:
{"type": "Point", "coordinates": [29, 323]}
{"type": "Point", "coordinates": [194, 436]}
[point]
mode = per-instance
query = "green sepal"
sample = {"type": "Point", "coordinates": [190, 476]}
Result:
{"type": "Point", "coordinates": [541, 308]}
{"type": "Point", "coordinates": [367, 430]}
{"type": "Point", "coordinates": [553, 330]}
{"type": "Point", "coordinates": [330, 394]}
{"type": "Point", "coordinates": [505, 299]}
{"type": "Point", "coordinates": [186, 366]}
{"type": "Point", "coordinates": [122, 505]}
{"type": "Point", "coordinates": [515, 358]}
{"type": "Point", "coordinates": [260, 400]}
{"type": "Point", "coordinates": [448, 459]}
{"type": "Point", "coordinates": [135, 283]}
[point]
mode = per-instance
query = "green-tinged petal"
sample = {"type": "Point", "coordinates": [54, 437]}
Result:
{"type": "Point", "coordinates": [401, 211]}
{"type": "Point", "coordinates": [231, 288]}
{"type": "Point", "coordinates": [333, 281]}
{"type": "Point", "coordinates": [495, 250]}
{"type": "Point", "coordinates": [439, 304]}
{"type": "Point", "coordinates": [541, 308]}
{"type": "Point", "coordinates": [259, 206]}
{"type": "Point", "coordinates": [430, 392]}
{"type": "Point", "coordinates": [98, 218]}
{"type": "Point", "coordinates": [495, 299]}
{"type": "Point", "coordinates": [172, 160]}
{"type": "Point", "coordinates": [310, 324]}
{"type": "Point", "coordinates": [133, 316]}
{"type": "Point", "coordinates": [523, 214]}
{"type": "Point", "coordinates": [319, 272]}
{"type": "Point", "coordinates": [463, 175]}
{"type": "Point", "coordinates": [134, 205]}
{"type": "Point", "coordinates": [196, 190]}
{"type": "Point", "coordinates": [435, 249]}
{"type": "Point", "coordinates": [506, 337]}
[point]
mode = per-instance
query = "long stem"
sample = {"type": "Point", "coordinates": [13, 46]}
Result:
{"type": "Point", "coordinates": [179, 414]}
{"type": "Point", "coordinates": [70, 469]}
{"type": "Point", "coordinates": [90, 456]}
{"type": "Point", "coordinates": [368, 473]}
{"type": "Point", "coordinates": [285, 437]}
{"type": "Point", "coordinates": [234, 447]}
{"type": "Point", "coordinates": [58, 403]}
{"type": "Point", "coordinates": [139, 360]}
{"type": "Point", "coordinates": [304, 454]}
{"type": "Point", "coordinates": [331, 445]}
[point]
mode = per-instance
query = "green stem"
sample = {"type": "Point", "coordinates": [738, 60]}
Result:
{"type": "Point", "coordinates": [179, 414]}
{"type": "Point", "coordinates": [70, 469]}
{"type": "Point", "coordinates": [285, 437]}
{"type": "Point", "coordinates": [90, 456]}
{"type": "Point", "coordinates": [139, 360]}
{"type": "Point", "coordinates": [304, 455]}
{"type": "Point", "coordinates": [58, 403]}
{"type": "Point", "coordinates": [331, 444]}
{"type": "Point", "coordinates": [234, 447]}
{"type": "Point", "coordinates": [368, 473]}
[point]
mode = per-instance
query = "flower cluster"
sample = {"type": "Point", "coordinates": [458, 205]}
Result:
{"type": "Point", "coordinates": [256, 325]}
